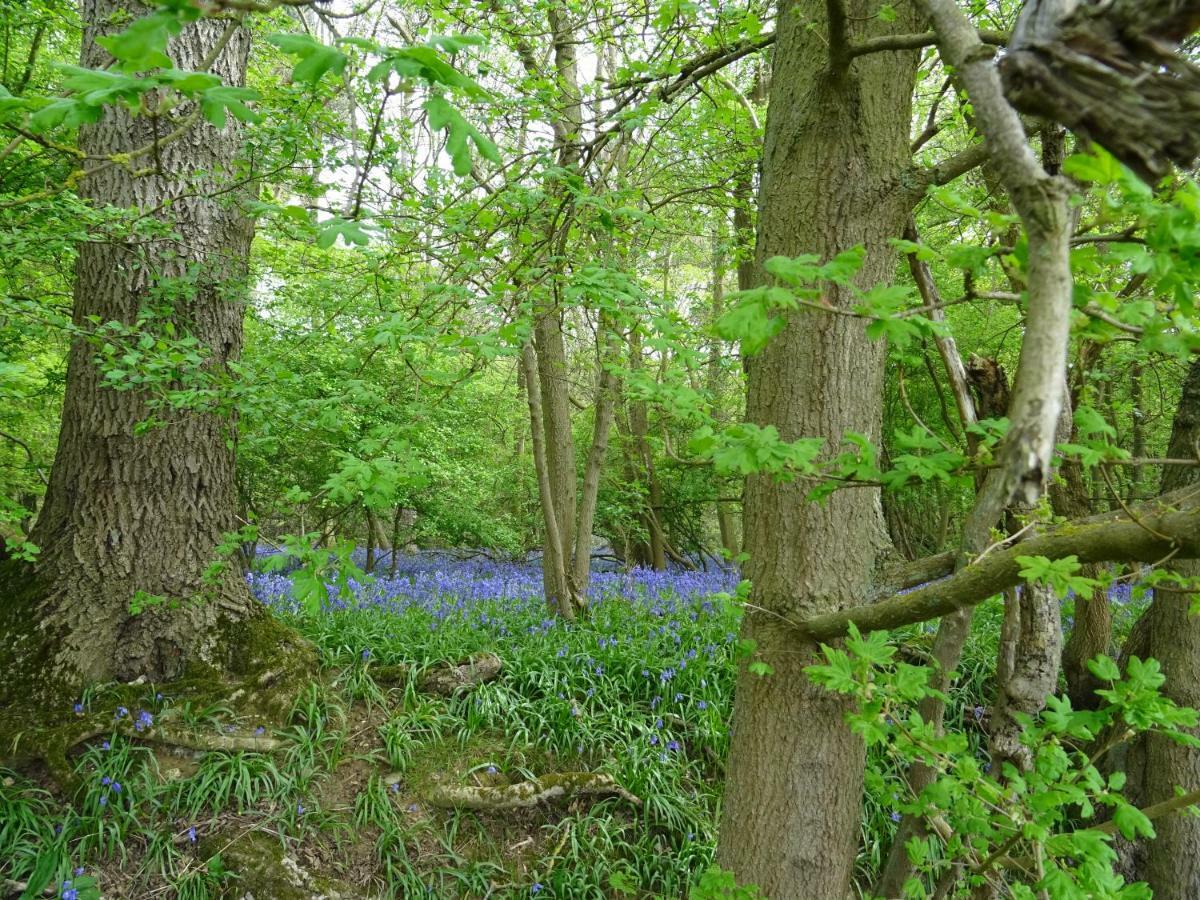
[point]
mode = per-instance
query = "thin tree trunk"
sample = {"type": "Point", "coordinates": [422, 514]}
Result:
{"type": "Point", "coordinates": [639, 427]}
{"type": "Point", "coordinates": [715, 377]}
{"type": "Point", "coordinates": [559, 596]}
{"type": "Point", "coordinates": [606, 396]}
{"type": "Point", "coordinates": [1091, 632]}
{"type": "Point", "coordinates": [1026, 452]}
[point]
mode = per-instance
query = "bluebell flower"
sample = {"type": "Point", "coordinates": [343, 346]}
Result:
{"type": "Point", "coordinates": [895, 816]}
{"type": "Point", "coordinates": [105, 781]}
{"type": "Point", "coordinates": [116, 786]}
{"type": "Point", "coordinates": [78, 709]}
{"type": "Point", "coordinates": [78, 871]}
{"type": "Point", "coordinates": [121, 712]}
{"type": "Point", "coordinates": [191, 834]}
{"type": "Point", "coordinates": [535, 888]}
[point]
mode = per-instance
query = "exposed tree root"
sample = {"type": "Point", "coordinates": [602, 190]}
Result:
{"type": "Point", "coordinates": [446, 679]}
{"type": "Point", "coordinates": [523, 794]}
{"type": "Point", "coordinates": [49, 743]}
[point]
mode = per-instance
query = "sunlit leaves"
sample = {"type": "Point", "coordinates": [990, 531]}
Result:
{"type": "Point", "coordinates": [352, 232]}
{"type": "Point", "coordinates": [216, 102]}
{"type": "Point", "coordinates": [143, 44]}
{"type": "Point", "coordinates": [747, 448]}
{"type": "Point", "coordinates": [1060, 575]}
{"type": "Point", "coordinates": [461, 135]}
{"type": "Point", "coordinates": [315, 59]}
{"type": "Point", "coordinates": [1041, 812]}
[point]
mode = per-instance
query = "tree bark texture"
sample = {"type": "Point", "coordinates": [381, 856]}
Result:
{"type": "Point", "coordinates": [836, 144]}
{"type": "Point", "coordinates": [127, 513]}
{"type": "Point", "coordinates": [1168, 633]}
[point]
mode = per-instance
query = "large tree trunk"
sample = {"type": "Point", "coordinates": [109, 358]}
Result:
{"type": "Point", "coordinates": [140, 516]}
{"type": "Point", "coordinates": [1167, 632]}
{"type": "Point", "coordinates": [836, 142]}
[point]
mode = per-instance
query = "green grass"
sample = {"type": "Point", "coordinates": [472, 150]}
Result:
{"type": "Point", "coordinates": [591, 698]}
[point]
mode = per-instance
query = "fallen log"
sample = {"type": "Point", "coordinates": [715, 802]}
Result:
{"type": "Point", "coordinates": [524, 794]}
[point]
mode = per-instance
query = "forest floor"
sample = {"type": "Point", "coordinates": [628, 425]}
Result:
{"type": "Point", "coordinates": [377, 788]}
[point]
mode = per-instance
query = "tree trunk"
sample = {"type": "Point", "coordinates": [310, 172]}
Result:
{"type": "Point", "coordinates": [555, 571]}
{"type": "Point", "coordinates": [607, 385]}
{"type": "Point", "coordinates": [139, 516]}
{"type": "Point", "coordinates": [1167, 632]}
{"type": "Point", "coordinates": [1091, 632]}
{"type": "Point", "coordinates": [726, 523]}
{"type": "Point", "coordinates": [639, 429]}
{"type": "Point", "coordinates": [836, 144]}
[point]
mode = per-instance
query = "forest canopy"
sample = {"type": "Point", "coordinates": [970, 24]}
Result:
{"type": "Point", "coordinates": [599, 448]}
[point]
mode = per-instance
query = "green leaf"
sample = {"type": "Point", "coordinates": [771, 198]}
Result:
{"type": "Point", "coordinates": [350, 231]}
{"type": "Point", "coordinates": [460, 135]}
{"type": "Point", "coordinates": [143, 45]}
{"type": "Point", "coordinates": [315, 59]}
{"type": "Point", "coordinates": [1104, 668]}
{"type": "Point", "coordinates": [1132, 822]}
{"type": "Point", "coordinates": [217, 101]}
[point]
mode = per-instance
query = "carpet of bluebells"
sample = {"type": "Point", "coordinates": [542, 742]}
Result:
{"type": "Point", "coordinates": [641, 690]}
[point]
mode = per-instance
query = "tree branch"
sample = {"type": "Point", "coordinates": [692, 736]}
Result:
{"type": "Point", "coordinates": [1167, 525]}
{"type": "Point", "coordinates": [886, 42]}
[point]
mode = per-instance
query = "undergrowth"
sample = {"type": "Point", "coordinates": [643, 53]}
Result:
{"type": "Point", "coordinates": [642, 692]}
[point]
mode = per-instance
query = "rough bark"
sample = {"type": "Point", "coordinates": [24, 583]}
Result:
{"type": "Point", "coordinates": [1167, 632]}
{"type": "Point", "coordinates": [1112, 72]}
{"type": "Point", "coordinates": [128, 514]}
{"type": "Point", "coordinates": [835, 148]}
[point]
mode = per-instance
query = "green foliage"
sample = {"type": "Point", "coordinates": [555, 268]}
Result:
{"type": "Point", "coordinates": [998, 820]}
{"type": "Point", "coordinates": [1058, 574]}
